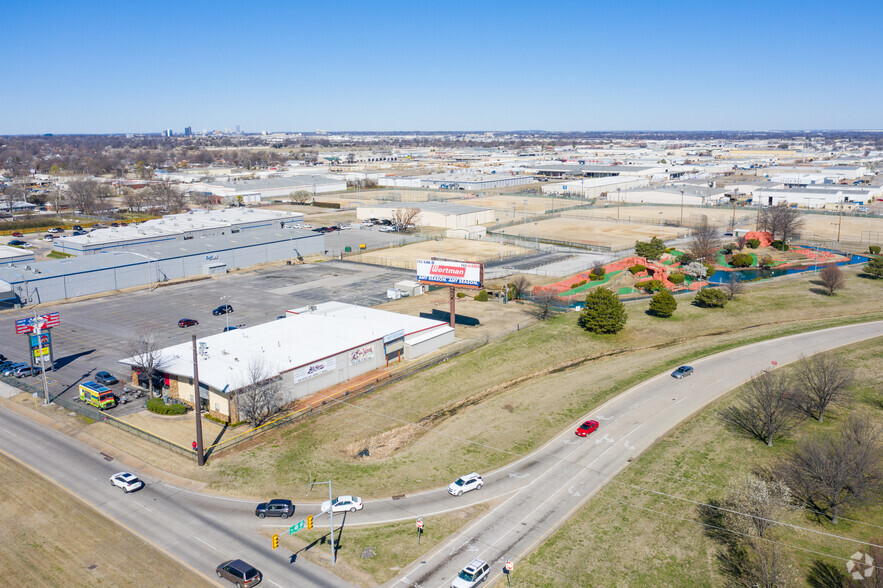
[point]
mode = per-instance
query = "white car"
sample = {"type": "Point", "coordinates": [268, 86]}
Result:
{"type": "Point", "coordinates": [128, 482]}
{"type": "Point", "coordinates": [465, 483]}
{"type": "Point", "coordinates": [386, 229]}
{"type": "Point", "coordinates": [343, 504]}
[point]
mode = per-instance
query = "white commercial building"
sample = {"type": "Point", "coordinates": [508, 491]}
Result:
{"type": "Point", "coordinates": [432, 214]}
{"type": "Point", "coordinates": [272, 187]}
{"type": "Point", "coordinates": [311, 349]}
{"type": "Point", "coordinates": [817, 197]}
{"type": "Point", "coordinates": [458, 181]}
{"type": "Point", "coordinates": [674, 195]}
{"type": "Point", "coordinates": [179, 227]}
{"type": "Point", "coordinates": [594, 187]}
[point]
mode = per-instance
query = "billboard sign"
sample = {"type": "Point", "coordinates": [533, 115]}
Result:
{"type": "Point", "coordinates": [361, 354]}
{"type": "Point", "coordinates": [462, 274]}
{"type": "Point", "coordinates": [45, 321]}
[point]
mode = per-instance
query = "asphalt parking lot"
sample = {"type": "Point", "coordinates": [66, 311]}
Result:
{"type": "Point", "coordinates": [94, 333]}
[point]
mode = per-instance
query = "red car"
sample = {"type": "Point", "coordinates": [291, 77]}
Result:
{"type": "Point", "coordinates": [187, 322]}
{"type": "Point", "coordinates": [17, 234]}
{"type": "Point", "coordinates": [586, 428]}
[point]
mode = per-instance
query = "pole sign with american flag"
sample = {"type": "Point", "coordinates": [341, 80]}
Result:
{"type": "Point", "coordinates": [42, 322]}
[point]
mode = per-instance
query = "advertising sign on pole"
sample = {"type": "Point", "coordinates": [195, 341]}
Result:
{"type": "Point", "coordinates": [42, 322]}
{"type": "Point", "coordinates": [461, 274]}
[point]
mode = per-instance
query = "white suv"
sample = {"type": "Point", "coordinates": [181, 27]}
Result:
{"type": "Point", "coordinates": [472, 575]}
{"type": "Point", "coordinates": [465, 483]}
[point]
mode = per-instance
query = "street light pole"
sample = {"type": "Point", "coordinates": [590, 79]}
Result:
{"type": "Point", "coordinates": [226, 300]}
{"type": "Point", "coordinates": [197, 408]}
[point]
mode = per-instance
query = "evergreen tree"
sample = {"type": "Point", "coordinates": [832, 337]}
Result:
{"type": "Point", "coordinates": [663, 304]}
{"type": "Point", "coordinates": [603, 313]}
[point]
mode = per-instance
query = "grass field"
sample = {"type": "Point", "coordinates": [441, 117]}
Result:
{"type": "Point", "coordinates": [49, 538]}
{"type": "Point", "coordinates": [371, 555]}
{"type": "Point", "coordinates": [521, 390]}
{"type": "Point", "coordinates": [626, 536]}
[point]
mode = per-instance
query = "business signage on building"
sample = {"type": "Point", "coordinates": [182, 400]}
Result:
{"type": "Point", "coordinates": [314, 369]}
{"type": "Point", "coordinates": [361, 354]}
{"type": "Point", "coordinates": [450, 273]}
{"type": "Point", "coordinates": [29, 325]}
{"type": "Point", "coordinates": [393, 336]}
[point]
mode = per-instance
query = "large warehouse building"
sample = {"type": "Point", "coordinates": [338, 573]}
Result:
{"type": "Point", "coordinates": [432, 214]}
{"type": "Point", "coordinates": [271, 187]}
{"type": "Point", "coordinates": [687, 195]}
{"type": "Point", "coordinates": [458, 181]}
{"type": "Point", "coordinates": [311, 349]}
{"type": "Point", "coordinates": [47, 281]}
{"type": "Point", "coordinates": [594, 187]}
{"type": "Point", "coordinates": [178, 227]}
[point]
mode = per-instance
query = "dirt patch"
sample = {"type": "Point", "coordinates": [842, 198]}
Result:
{"type": "Point", "coordinates": [385, 444]}
{"type": "Point", "coordinates": [462, 249]}
{"type": "Point", "coordinates": [593, 231]}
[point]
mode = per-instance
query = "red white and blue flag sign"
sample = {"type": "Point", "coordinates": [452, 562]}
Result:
{"type": "Point", "coordinates": [44, 321]}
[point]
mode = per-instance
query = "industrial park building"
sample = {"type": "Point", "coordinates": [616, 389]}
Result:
{"type": "Point", "coordinates": [178, 227]}
{"type": "Point", "coordinates": [10, 255]}
{"type": "Point", "coordinates": [48, 281]}
{"type": "Point", "coordinates": [432, 214]}
{"type": "Point", "coordinates": [458, 181]}
{"type": "Point", "coordinates": [594, 187]}
{"type": "Point", "coordinates": [311, 349]}
{"type": "Point", "coordinates": [818, 196]}
{"type": "Point", "coordinates": [280, 187]}
{"type": "Point", "coordinates": [688, 195]}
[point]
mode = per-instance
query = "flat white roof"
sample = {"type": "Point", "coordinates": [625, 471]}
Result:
{"type": "Point", "coordinates": [305, 336]}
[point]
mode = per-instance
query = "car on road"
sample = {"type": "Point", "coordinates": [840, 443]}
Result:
{"type": "Point", "coordinates": [223, 309]}
{"type": "Point", "coordinates": [106, 379]}
{"type": "Point", "coordinates": [56, 230]}
{"type": "Point", "coordinates": [240, 573]}
{"type": "Point", "coordinates": [682, 372]}
{"type": "Point", "coordinates": [587, 428]}
{"type": "Point", "coordinates": [187, 322]}
{"type": "Point", "coordinates": [128, 482]}
{"type": "Point", "coordinates": [10, 370]}
{"type": "Point", "coordinates": [472, 575]}
{"type": "Point", "coordinates": [17, 234]}
{"type": "Point", "coordinates": [465, 483]}
{"type": "Point", "coordinates": [342, 504]}
{"type": "Point", "coordinates": [278, 507]}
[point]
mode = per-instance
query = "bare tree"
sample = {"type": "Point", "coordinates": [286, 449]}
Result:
{"type": "Point", "coordinates": [733, 286]}
{"type": "Point", "coordinates": [403, 217]}
{"type": "Point", "coordinates": [832, 279]}
{"type": "Point", "coordinates": [755, 504]}
{"type": "Point", "coordinates": [704, 242]}
{"type": "Point", "coordinates": [518, 287]}
{"type": "Point", "coordinates": [261, 396]}
{"type": "Point", "coordinates": [829, 474]}
{"type": "Point", "coordinates": [301, 197]}
{"type": "Point", "coordinates": [167, 196]}
{"type": "Point", "coordinates": [765, 408]}
{"type": "Point", "coordinates": [822, 380]}
{"type": "Point", "coordinates": [82, 194]}
{"type": "Point", "coordinates": [782, 221]}
{"type": "Point", "coordinates": [145, 349]}
{"type": "Point", "coordinates": [544, 304]}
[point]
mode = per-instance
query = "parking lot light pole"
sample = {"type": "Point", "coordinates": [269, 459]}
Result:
{"type": "Point", "coordinates": [197, 408]}
{"type": "Point", "coordinates": [225, 300]}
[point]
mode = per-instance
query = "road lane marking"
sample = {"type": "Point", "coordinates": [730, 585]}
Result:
{"type": "Point", "coordinates": [142, 506]}
{"type": "Point", "coordinates": [209, 544]}
{"type": "Point", "coordinates": [274, 583]}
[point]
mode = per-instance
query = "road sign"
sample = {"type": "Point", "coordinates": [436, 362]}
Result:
{"type": "Point", "coordinates": [419, 523]}
{"type": "Point", "coordinates": [509, 565]}
{"type": "Point", "coordinates": [297, 527]}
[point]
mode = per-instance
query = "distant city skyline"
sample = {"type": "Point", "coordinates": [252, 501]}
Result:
{"type": "Point", "coordinates": [102, 67]}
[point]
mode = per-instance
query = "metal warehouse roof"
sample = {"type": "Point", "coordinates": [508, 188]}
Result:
{"type": "Point", "coordinates": [283, 345]}
{"type": "Point", "coordinates": [438, 207]}
{"type": "Point", "coordinates": [272, 183]}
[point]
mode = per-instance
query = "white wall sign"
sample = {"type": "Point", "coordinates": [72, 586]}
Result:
{"type": "Point", "coordinates": [361, 354]}
{"type": "Point", "coordinates": [314, 369]}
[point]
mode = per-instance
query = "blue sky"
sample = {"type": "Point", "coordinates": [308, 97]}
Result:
{"type": "Point", "coordinates": [103, 67]}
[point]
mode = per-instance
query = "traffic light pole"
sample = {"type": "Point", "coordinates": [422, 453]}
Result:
{"type": "Point", "coordinates": [331, 520]}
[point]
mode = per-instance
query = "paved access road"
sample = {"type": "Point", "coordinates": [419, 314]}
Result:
{"type": "Point", "coordinates": [535, 493]}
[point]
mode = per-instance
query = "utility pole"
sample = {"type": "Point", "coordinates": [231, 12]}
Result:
{"type": "Point", "coordinates": [197, 407]}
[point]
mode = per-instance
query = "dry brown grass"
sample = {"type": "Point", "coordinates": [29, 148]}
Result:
{"type": "Point", "coordinates": [49, 538]}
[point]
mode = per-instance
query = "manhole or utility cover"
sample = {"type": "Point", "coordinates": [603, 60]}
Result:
{"type": "Point", "coordinates": [91, 566]}
{"type": "Point", "coordinates": [368, 553]}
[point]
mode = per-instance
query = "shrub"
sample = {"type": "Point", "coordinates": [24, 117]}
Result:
{"type": "Point", "coordinates": [874, 268]}
{"type": "Point", "coordinates": [753, 243]}
{"type": "Point", "coordinates": [637, 268]}
{"type": "Point", "coordinates": [677, 278]}
{"type": "Point", "coordinates": [741, 260]}
{"type": "Point", "coordinates": [729, 247]}
{"type": "Point", "coordinates": [663, 304]}
{"type": "Point", "coordinates": [481, 296]}
{"type": "Point", "coordinates": [651, 285]}
{"type": "Point", "coordinates": [461, 294]}
{"type": "Point", "coordinates": [601, 271]}
{"type": "Point", "coordinates": [686, 259]}
{"type": "Point", "coordinates": [159, 407]}
{"type": "Point", "coordinates": [766, 261]}
{"type": "Point", "coordinates": [582, 282]}
{"type": "Point", "coordinates": [710, 298]}
{"type": "Point", "coordinates": [604, 313]}
{"type": "Point", "coordinates": [652, 250]}
{"type": "Point", "coordinates": [709, 270]}
{"type": "Point", "coordinates": [874, 249]}
{"type": "Point", "coordinates": [780, 245]}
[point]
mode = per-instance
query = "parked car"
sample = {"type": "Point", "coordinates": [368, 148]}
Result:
{"type": "Point", "coordinates": [385, 229]}
{"type": "Point", "coordinates": [6, 364]}
{"type": "Point", "coordinates": [465, 483]}
{"type": "Point", "coordinates": [223, 309]}
{"type": "Point", "coordinates": [17, 234]}
{"type": "Point", "coordinates": [367, 223]}
{"type": "Point", "coordinates": [128, 482]}
{"type": "Point", "coordinates": [240, 573]}
{"type": "Point", "coordinates": [10, 370]}
{"type": "Point", "coordinates": [48, 238]}
{"type": "Point", "coordinates": [26, 370]}
{"type": "Point", "coordinates": [56, 230]}
{"type": "Point", "coordinates": [78, 233]}
{"type": "Point", "coordinates": [278, 507]}
{"type": "Point", "coordinates": [185, 322]}
{"type": "Point", "coordinates": [124, 224]}
{"type": "Point", "coordinates": [106, 379]}
{"type": "Point", "coordinates": [682, 372]}
{"type": "Point", "coordinates": [472, 575]}
{"type": "Point", "coordinates": [17, 243]}
{"type": "Point", "coordinates": [587, 428]}
{"type": "Point", "coordinates": [114, 224]}
{"type": "Point", "coordinates": [342, 504]}
{"type": "Point", "coordinates": [226, 329]}
{"type": "Point", "coordinates": [77, 228]}
{"type": "Point", "coordinates": [2, 357]}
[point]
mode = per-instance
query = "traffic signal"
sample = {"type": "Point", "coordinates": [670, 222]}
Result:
{"type": "Point", "coordinates": [310, 522]}
{"type": "Point", "coordinates": [275, 540]}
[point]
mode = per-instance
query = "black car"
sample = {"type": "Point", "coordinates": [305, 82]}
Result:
{"type": "Point", "coordinates": [279, 507]}
{"type": "Point", "coordinates": [17, 243]}
{"type": "Point", "coordinates": [106, 379]}
{"type": "Point", "coordinates": [77, 228]}
{"type": "Point", "coordinates": [223, 309]}
{"type": "Point", "coordinates": [231, 328]}
{"type": "Point", "coordinates": [239, 572]}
